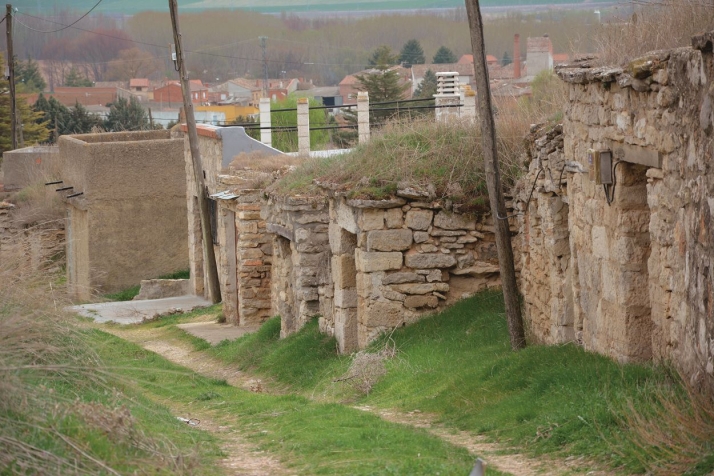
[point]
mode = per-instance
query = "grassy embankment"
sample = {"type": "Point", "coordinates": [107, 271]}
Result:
{"type": "Point", "coordinates": [544, 400]}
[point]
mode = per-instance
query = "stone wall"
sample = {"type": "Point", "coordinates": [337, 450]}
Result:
{"type": "Point", "coordinates": [367, 266]}
{"type": "Point", "coordinates": [639, 271]}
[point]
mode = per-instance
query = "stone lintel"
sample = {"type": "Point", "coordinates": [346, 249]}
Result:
{"type": "Point", "coordinates": [283, 231]}
{"type": "Point", "coordinates": [636, 155]}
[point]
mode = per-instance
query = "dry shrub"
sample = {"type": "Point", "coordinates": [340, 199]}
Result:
{"type": "Point", "coordinates": [671, 431]}
{"type": "Point", "coordinates": [256, 170]}
{"type": "Point", "coordinates": [41, 349]}
{"type": "Point", "coordinates": [38, 204]}
{"type": "Point", "coordinates": [368, 367]}
{"type": "Point", "coordinates": [655, 25]}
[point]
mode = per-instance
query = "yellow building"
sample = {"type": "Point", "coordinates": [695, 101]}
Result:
{"type": "Point", "coordinates": [230, 111]}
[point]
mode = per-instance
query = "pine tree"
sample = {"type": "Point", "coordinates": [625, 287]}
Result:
{"type": "Point", "coordinates": [81, 121]}
{"type": "Point", "coordinates": [54, 113]}
{"type": "Point", "coordinates": [127, 116]}
{"type": "Point", "coordinates": [427, 87]}
{"type": "Point", "coordinates": [412, 53]}
{"type": "Point", "coordinates": [506, 60]}
{"type": "Point", "coordinates": [28, 77]}
{"type": "Point", "coordinates": [75, 79]}
{"type": "Point", "coordinates": [444, 55]}
{"type": "Point", "coordinates": [383, 57]}
{"type": "Point", "coordinates": [382, 86]}
{"type": "Point", "coordinates": [34, 130]}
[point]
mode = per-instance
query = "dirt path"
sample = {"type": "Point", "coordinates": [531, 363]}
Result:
{"type": "Point", "coordinates": [180, 352]}
{"type": "Point", "coordinates": [243, 458]}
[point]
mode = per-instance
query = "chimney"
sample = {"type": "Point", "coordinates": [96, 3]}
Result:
{"type": "Point", "coordinates": [516, 56]}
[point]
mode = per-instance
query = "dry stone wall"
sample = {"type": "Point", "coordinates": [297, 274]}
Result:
{"type": "Point", "coordinates": [637, 280]}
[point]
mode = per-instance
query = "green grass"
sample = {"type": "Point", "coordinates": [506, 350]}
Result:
{"type": "Point", "coordinates": [313, 438]}
{"type": "Point", "coordinates": [130, 293]}
{"type": "Point", "coordinates": [459, 366]}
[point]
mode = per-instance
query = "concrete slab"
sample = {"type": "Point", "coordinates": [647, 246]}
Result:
{"type": "Point", "coordinates": [133, 312]}
{"type": "Point", "coordinates": [213, 332]}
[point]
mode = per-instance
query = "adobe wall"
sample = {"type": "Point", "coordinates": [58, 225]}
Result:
{"type": "Point", "coordinates": [129, 223]}
{"type": "Point", "coordinates": [23, 167]}
{"type": "Point", "coordinates": [638, 282]}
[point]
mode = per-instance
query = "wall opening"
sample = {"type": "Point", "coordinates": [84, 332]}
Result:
{"type": "Point", "coordinates": [344, 276]}
{"type": "Point", "coordinates": [627, 277]}
{"type": "Point", "coordinates": [282, 283]}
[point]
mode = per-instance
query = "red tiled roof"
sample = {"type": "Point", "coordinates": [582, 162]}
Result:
{"type": "Point", "coordinates": [139, 83]}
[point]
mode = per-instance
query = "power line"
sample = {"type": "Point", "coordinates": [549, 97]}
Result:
{"type": "Point", "coordinates": [65, 26]}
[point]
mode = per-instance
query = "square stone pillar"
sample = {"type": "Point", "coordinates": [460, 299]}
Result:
{"type": "Point", "coordinates": [363, 116]}
{"type": "Point", "coordinates": [266, 135]}
{"type": "Point", "coordinates": [303, 126]}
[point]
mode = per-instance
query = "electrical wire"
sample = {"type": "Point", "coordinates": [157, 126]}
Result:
{"type": "Point", "coordinates": [3, 19]}
{"type": "Point", "coordinates": [65, 26]}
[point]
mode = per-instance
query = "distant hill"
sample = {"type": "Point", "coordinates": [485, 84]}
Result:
{"type": "Point", "coordinates": [128, 7]}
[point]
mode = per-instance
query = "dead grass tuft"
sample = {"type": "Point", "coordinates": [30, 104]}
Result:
{"type": "Point", "coordinates": [367, 368]}
{"type": "Point", "coordinates": [673, 432]}
{"type": "Point", "coordinates": [656, 25]}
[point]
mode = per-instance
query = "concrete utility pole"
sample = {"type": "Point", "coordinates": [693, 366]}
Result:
{"type": "Point", "coordinates": [209, 258]}
{"type": "Point", "coordinates": [493, 179]}
{"type": "Point", "coordinates": [11, 76]}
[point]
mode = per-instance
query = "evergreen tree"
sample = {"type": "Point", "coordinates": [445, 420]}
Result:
{"type": "Point", "coordinates": [28, 77]}
{"type": "Point", "coordinates": [444, 55]}
{"type": "Point", "coordinates": [427, 87]}
{"type": "Point", "coordinates": [81, 121]}
{"type": "Point", "coordinates": [412, 53]}
{"type": "Point", "coordinates": [33, 129]}
{"type": "Point", "coordinates": [75, 79]}
{"type": "Point", "coordinates": [506, 60]}
{"type": "Point", "coordinates": [126, 116]}
{"type": "Point", "coordinates": [383, 57]}
{"type": "Point", "coordinates": [382, 86]}
{"type": "Point", "coordinates": [54, 113]}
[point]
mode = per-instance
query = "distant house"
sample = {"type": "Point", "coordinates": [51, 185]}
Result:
{"type": "Point", "coordinates": [139, 85]}
{"type": "Point", "coordinates": [252, 89]}
{"type": "Point", "coordinates": [170, 93]}
{"type": "Point", "coordinates": [69, 96]}
{"type": "Point", "coordinates": [539, 56]}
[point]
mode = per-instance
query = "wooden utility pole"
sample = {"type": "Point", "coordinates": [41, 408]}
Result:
{"type": "Point", "coordinates": [11, 68]}
{"type": "Point", "coordinates": [493, 179]}
{"type": "Point", "coordinates": [209, 258]}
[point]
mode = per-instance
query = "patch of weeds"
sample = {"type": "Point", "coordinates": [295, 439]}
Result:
{"type": "Point", "coordinates": [207, 396]}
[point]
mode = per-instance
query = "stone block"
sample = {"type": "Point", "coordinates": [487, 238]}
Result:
{"type": "Point", "coordinates": [346, 330]}
{"type": "Point", "coordinates": [389, 240]}
{"type": "Point", "coordinates": [394, 217]}
{"type": "Point", "coordinates": [346, 298]}
{"type": "Point", "coordinates": [368, 262]}
{"type": "Point", "coordinates": [341, 240]}
{"type": "Point", "coordinates": [453, 221]}
{"type": "Point", "coordinates": [392, 295]}
{"type": "Point", "coordinates": [400, 278]}
{"type": "Point", "coordinates": [251, 253]}
{"type": "Point", "coordinates": [383, 314]}
{"type": "Point", "coordinates": [370, 219]}
{"type": "Point", "coordinates": [346, 217]}
{"type": "Point", "coordinates": [344, 272]}
{"type": "Point", "coordinates": [415, 302]}
{"type": "Point", "coordinates": [421, 237]}
{"type": "Point", "coordinates": [419, 219]}
{"type": "Point", "coordinates": [162, 288]}
{"type": "Point", "coordinates": [430, 260]}
{"type": "Point", "coordinates": [600, 242]}
{"type": "Point", "coordinates": [420, 288]}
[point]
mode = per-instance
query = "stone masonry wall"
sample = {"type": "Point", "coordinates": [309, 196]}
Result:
{"type": "Point", "coordinates": [640, 265]}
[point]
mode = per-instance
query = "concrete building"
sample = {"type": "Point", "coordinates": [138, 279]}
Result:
{"type": "Point", "coordinates": [126, 209]}
{"type": "Point", "coordinates": [539, 55]}
{"type": "Point", "coordinates": [23, 167]}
